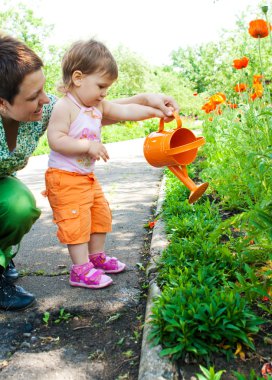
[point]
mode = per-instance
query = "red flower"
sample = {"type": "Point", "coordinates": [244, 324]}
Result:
{"type": "Point", "coordinates": [253, 96]}
{"type": "Point", "coordinates": [195, 93]}
{"type": "Point", "coordinates": [152, 224]}
{"type": "Point", "coordinates": [240, 87]}
{"type": "Point", "coordinates": [240, 63]}
{"type": "Point", "coordinates": [266, 370]}
{"type": "Point", "coordinates": [258, 28]}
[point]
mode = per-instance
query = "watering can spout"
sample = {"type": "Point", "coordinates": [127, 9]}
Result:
{"type": "Point", "coordinates": [196, 190]}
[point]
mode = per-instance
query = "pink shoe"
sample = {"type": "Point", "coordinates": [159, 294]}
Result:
{"type": "Point", "coordinates": [86, 276]}
{"type": "Point", "coordinates": [106, 263]}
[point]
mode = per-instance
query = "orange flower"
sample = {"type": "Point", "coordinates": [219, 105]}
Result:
{"type": "Point", "coordinates": [240, 63]}
{"type": "Point", "coordinates": [258, 89]}
{"type": "Point", "coordinates": [240, 87]}
{"type": "Point", "coordinates": [195, 93]}
{"type": "Point", "coordinates": [232, 105]}
{"type": "Point", "coordinates": [209, 107]}
{"type": "Point", "coordinates": [218, 98]}
{"type": "Point", "coordinates": [258, 28]}
{"type": "Point", "coordinates": [257, 78]}
{"type": "Point", "coordinates": [213, 102]}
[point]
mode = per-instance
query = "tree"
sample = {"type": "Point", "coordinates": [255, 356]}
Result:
{"type": "Point", "coordinates": [208, 67]}
{"type": "Point", "coordinates": [20, 22]}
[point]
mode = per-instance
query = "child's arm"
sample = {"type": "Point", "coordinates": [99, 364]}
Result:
{"type": "Point", "coordinates": [160, 101]}
{"type": "Point", "coordinates": [123, 112]}
{"type": "Point", "coordinates": [59, 141]}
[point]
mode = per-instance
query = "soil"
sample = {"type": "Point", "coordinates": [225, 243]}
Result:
{"type": "Point", "coordinates": [107, 345]}
{"type": "Point", "coordinates": [111, 342]}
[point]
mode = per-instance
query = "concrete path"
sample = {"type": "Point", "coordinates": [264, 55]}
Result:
{"type": "Point", "coordinates": [131, 186]}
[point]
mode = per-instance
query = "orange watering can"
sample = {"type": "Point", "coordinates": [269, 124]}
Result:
{"type": "Point", "coordinates": [175, 149]}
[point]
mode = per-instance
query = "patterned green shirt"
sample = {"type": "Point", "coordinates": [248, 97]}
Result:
{"type": "Point", "coordinates": [27, 141]}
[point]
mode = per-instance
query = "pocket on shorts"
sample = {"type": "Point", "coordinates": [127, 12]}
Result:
{"type": "Point", "coordinates": [68, 221]}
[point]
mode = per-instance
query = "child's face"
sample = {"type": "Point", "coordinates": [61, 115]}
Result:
{"type": "Point", "coordinates": [93, 89]}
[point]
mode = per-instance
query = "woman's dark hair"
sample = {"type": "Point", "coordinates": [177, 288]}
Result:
{"type": "Point", "coordinates": [16, 61]}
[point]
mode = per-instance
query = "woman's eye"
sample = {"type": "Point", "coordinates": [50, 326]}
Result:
{"type": "Point", "coordinates": [32, 99]}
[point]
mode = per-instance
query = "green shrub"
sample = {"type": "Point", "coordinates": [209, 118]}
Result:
{"type": "Point", "coordinates": [200, 320]}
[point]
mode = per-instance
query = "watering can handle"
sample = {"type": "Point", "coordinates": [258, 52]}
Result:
{"type": "Point", "coordinates": [178, 120]}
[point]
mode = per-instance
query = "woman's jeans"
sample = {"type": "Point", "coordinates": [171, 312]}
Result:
{"type": "Point", "coordinates": [18, 212]}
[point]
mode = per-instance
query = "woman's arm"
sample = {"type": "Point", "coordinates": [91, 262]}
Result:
{"type": "Point", "coordinates": [165, 103]}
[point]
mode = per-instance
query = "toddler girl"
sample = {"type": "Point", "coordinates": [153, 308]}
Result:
{"type": "Point", "coordinates": [80, 209]}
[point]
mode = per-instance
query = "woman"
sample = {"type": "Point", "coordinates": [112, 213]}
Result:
{"type": "Point", "coordinates": [25, 110]}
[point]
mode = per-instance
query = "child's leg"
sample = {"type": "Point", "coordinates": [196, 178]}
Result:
{"type": "Point", "coordinates": [78, 253]}
{"type": "Point", "coordinates": [101, 224]}
{"type": "Point", "coordinates": [97, 243]}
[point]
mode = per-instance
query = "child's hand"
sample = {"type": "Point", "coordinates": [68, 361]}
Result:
{"type": "Point", "coordinates": [165, 103]}
{"type": "Point", "coordinates": [97, 151]}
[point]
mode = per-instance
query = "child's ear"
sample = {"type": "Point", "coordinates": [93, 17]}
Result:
{"type": "Point", "coordinates": [77, 77]}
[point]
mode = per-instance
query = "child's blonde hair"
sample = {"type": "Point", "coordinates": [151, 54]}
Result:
{"type": "Point", "coordinates": [89, 57]}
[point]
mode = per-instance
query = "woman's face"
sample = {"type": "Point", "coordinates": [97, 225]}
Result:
{"type": "Point", "coordinates": [28, 103]}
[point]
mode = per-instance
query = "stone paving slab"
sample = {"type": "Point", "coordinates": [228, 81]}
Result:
{"type": "Point", "coordinates": [131, 187]}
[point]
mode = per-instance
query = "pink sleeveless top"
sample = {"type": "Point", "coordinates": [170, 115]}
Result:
{"type": "Point", "coordinates": [83, 127]}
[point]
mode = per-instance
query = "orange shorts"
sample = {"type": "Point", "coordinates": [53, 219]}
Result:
{"type": "Point", "coordinates": [79, 205]}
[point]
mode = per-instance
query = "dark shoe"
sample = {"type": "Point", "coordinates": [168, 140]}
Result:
{"type": "Point", "coordinates": [14, 297]}
{"type": "Point", "coordinates": [11, 273]}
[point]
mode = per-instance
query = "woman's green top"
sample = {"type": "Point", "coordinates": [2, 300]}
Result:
{"type": "Point", "coordinates": [27, 141]}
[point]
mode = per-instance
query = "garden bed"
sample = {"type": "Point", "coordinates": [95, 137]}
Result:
{"type": "Point", "coordinates": [214, 309]}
